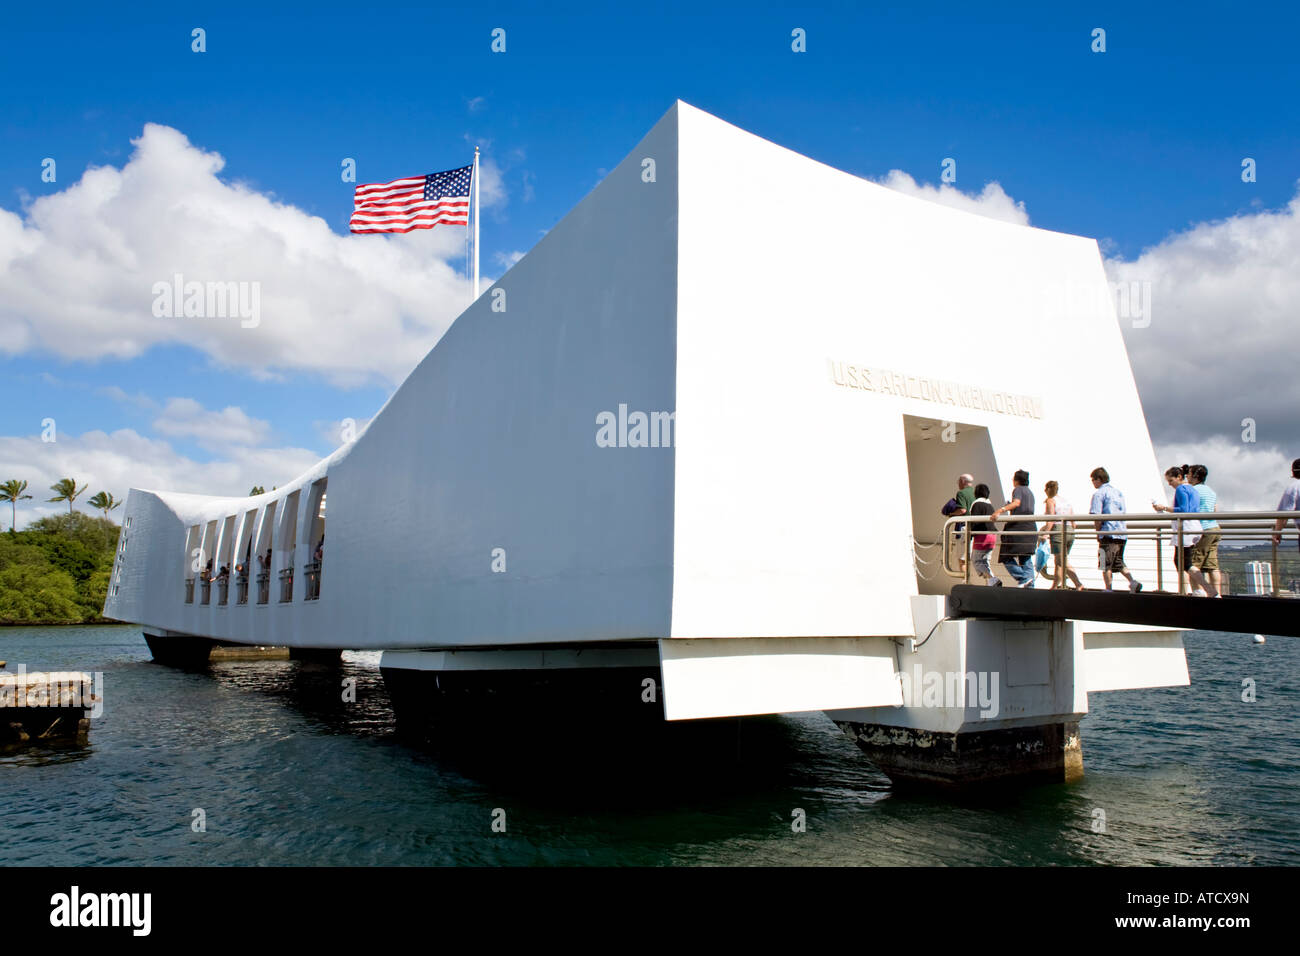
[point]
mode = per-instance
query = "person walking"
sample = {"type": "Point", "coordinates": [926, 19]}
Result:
{"type": "Point", "coordinates": [1112, 534]}
{"type": "Point", "coordinates": [1204, 568]}
{"type": "Point", "coordinates": [959, 504]}
{"type": "Point", "coordinates": [1019, 538]}
{"type": "Point", "coordinates": [1290, 502]}
{"type": "Point", "coordinates": [1186, 533]}
{"type": "Point", "coordinates": [982, 537]}
{"type": "Point", "coordinates": [1051, 533]}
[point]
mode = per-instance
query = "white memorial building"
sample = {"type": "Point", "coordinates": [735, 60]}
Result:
{"type": "Point", "coordinates": [691, 438]}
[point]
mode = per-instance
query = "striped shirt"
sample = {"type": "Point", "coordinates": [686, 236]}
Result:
{"type": "Point", "coordinates": [1208, 500]}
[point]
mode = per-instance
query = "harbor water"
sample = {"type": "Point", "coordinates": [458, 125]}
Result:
{"type": "Point", "coordinates": [265, 762]}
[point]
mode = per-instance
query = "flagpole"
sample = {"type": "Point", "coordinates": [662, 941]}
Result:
{"type": "Point", "coordinates": [476, 215]}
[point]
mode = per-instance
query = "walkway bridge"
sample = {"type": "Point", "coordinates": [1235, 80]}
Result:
{"type": "Point", "coordinates": [1262, 556]}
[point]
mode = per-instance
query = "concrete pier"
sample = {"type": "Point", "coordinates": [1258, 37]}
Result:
{"type": "Point", "coordinates": [993, 701]}
{"type": "Point", "coordinates": [40, 707]}
{"type": "Point", "coordinates": [1049, 753]}
{"type": "Point", "coordinates": [192, 652]}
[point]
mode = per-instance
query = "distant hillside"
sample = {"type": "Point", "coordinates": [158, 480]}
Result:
{"type": "Point", "coordinates": [57, 571]}
{"type": "Point", "coordinates": [1286, 571]}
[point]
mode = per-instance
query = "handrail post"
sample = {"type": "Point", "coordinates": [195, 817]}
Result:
{"type": "Point", "coordinates": [1064, 575]}
{"type": "Point", "coordinates": [966, 548]}
{"type": "Point", "coordinates": [1273, 575]}
{"type": "Point", "coordinates": [1160, 561]}
{"type": "Point", "coordinates": [1178, 557]}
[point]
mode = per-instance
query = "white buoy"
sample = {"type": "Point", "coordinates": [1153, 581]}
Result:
{"type": "Point", "coordinates": [1259, 638]}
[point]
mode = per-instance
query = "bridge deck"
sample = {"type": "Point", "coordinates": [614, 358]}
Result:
{"type": "Point", "coordinates": [1250, 615]}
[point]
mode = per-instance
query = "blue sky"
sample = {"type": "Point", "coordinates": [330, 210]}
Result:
{"type": "Point", "coordinates": [1131, 146]}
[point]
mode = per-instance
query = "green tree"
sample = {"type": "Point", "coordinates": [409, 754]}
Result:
{"type": "Point", "coordinates": [104, 501]}
{"type": "Point", "coordinates": [32, 593]}
{"type": "Point", "coordinates": [12, 492]}
{"type": "Point", "coordinates": [58, 570]}
{"type": "Point", "coordinates": [257, 490]}
{"type": "Point", "coordinates": [97, 534]}
{"type": "Point", "coordinates": [67, 491]}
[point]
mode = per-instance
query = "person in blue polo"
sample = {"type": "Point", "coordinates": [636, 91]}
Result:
{"type": "Point", "coordinates": [1112, 534]}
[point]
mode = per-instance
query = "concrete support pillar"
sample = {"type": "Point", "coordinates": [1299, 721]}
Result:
{"type": "Point", "coordinates": [180, 650]}
{"type": "Point", "coordinates": [1045, 753]}
{"type": "Point", "coordinates": [316, 655]}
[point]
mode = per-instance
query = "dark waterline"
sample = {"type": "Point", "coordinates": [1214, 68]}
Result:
{"type": "Point", "coordinates": [287, 773]}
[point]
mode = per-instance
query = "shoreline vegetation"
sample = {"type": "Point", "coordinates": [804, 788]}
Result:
{"type": "Point", "coordinates": [56, 571]}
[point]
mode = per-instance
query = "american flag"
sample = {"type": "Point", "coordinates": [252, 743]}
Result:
{"type": "Point", "coordinates": [418, 202]}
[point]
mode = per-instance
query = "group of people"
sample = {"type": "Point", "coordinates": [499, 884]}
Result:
{"type": "Point", "coordinates": [1025, 546]}
{"type": "Point", "coordinates": [1198, 545]}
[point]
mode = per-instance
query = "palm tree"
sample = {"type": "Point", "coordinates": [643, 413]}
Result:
{"type": "Point", "coordinates": [104, 502]}
{"type": "Point", "coordinates": [12, 492]}
{"type": "Point", "coordinates": [67, 491]}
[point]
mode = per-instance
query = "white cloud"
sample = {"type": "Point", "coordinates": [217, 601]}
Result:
{"type": "Point", "coordinates": [1246, 477]}
{"type": "Point", "coordinates": [186, 418]}
{"type": "Point", "coordinates": [76, 275]}
{"type": "Point", "coordinates": [124, 459]}
{"type": "Point", "coordinates": [992, 201]}
{"type": "Point", "coordinates": [139, 399]}
{"type": "Point", "coordinates": [1220, 346]}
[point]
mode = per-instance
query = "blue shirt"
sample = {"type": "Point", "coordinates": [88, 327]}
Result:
{"type": "Point", "coordinates": [1109, 500]}
{"type": "Point", "coordinates": [1186, 499]}
{"type": "Point", "coordinates": [1208, 500]}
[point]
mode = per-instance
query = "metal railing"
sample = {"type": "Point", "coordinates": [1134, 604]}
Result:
{"type": "Point", "coordinates": [189, 590]}
{"type": "Point", "coordinates": [223, 590]}
{"type": "Point", "coordinates": [241, 589]}
{"type": "Point", "coordinates": [263, 587]}
{"type": "Point", "coordinates": [312, 571]}
{"type": "Point", "coordinates": [1157, 545]}
{"type": "Point", "coordinates": [286, 585]}
{"type": "Point", "coordinates": [205, 591]}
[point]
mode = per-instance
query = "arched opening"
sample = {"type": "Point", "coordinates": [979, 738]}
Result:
{"type": "Point", "coordinates": [207, 551]}
{"type": "Point", "coordinates": [244, 556]}
{"type": "Point", "coordinates": [225, 548]}
{"type": "Point", "coordinates": [315, 538]}
{"type": "Point", "coordinates": [288, 541]}
{"type": "Point", "coordinates": [265, 541]}
{"type": "Point", "coordinates": [192, 564]}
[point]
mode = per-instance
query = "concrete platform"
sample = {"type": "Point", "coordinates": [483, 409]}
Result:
{"type": "Point", "coordinates": [47, 706]}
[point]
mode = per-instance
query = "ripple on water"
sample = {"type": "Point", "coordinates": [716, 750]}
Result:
{"type": "Point", "coordinates": [286, 773]}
